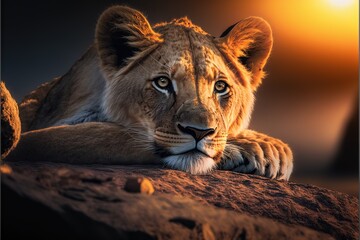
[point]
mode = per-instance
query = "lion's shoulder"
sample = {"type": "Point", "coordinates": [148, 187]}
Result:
{"type": "Point", "coordinates": [69, 99]}
{"type": "Point", "coordinates": [31, 103]}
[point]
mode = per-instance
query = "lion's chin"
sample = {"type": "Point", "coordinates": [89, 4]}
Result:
{"type": "Point", "coordinates": [194, 162]}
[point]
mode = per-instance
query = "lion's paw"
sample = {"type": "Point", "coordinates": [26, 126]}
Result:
{"type": "Point", "coordinates": [258, 154]}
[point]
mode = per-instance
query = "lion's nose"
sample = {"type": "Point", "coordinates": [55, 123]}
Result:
{"type": "Point", "coordinates": [197, 133]}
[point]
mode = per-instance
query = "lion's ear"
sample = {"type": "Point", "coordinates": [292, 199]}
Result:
{"type": "Point", "coordinates": [122, 33]}
{"type": "Point", "coordinates": [250, 40]}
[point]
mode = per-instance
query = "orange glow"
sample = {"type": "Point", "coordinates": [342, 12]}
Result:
{"type": "Point", "coordinates": [5, 169]}
{"type": "Point", "coordinates": [326, 24]}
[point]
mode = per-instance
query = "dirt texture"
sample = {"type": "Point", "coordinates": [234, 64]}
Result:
{"type": "Point", "coordinates": [75, 202]}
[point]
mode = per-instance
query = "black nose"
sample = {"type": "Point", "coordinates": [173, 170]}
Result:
{"type": "Point", "coordinates": [197, 133]}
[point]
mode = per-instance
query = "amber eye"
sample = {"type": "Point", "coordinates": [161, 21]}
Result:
{"type": "Point", "coordinates": [221, 87]}
{"type": "Point", "coordinates": [162, 84]}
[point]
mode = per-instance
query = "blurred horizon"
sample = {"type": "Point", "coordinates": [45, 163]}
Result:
{"type": "Point", "coordinates": [306, 99]}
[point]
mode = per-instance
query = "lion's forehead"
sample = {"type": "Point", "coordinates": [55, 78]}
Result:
{"type": "Point", "coordinates": [189, 52]}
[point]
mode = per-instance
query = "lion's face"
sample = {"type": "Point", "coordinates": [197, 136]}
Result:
{"type": "Point", "coordinates": [186, 88]}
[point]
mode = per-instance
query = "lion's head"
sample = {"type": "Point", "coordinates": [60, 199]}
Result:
{"type": "Point", "coordinates": [191, 91]}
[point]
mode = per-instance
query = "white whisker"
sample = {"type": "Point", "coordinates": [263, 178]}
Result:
{"type": "Point", "coordinates": [194, 164]}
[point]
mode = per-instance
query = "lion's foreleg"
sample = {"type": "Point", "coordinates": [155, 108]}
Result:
{"type": "Point", "coordinates": [95, 142]}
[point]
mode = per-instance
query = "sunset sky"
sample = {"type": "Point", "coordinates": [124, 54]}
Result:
{"type": "Point", "coordinates": [312, 73]}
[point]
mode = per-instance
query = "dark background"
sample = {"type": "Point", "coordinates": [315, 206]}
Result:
{"type": "Point", "coordinates": [306, 100]}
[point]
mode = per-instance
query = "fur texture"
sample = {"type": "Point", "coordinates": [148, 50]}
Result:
{"type": "Point", "coordinates": [170, 93]}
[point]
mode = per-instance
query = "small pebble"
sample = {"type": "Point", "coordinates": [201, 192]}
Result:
{"type": "Point", "coordinates": [139, 185]}
{"type": "Point", "coordinates": [5, 169]}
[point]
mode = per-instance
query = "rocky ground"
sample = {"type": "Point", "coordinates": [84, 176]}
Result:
{"type": "Point", "coordinates": [10, 122]}
{"type": "Point", "coordinates": [57, 201]}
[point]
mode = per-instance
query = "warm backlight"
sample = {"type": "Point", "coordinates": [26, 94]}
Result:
{"type": "Point", "coordinates": [342, 3]}
{"type": "Point", "coordinates": [326, 24]}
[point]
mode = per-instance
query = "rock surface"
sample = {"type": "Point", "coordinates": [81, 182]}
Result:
{"type": "Point", "coordinates": [10, 122]}
{"type": "Point", "coordinates": [89, 201]}
{"type": "Point", "coordinates": [139, 185]}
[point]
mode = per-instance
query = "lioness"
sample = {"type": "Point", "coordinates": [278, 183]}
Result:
{"type": "Point", "coordinates": [169, 94]}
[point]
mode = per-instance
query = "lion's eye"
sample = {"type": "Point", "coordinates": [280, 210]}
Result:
{"type": "Point", "coordinates": [221, 87]}
{"type": "Point", "coordinates": [162, 84]}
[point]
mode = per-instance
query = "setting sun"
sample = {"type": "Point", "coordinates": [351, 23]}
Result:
{"type": "Point", "coordinates": [328, 24]}
{"type": "Point", "coordinates": [341, 3]}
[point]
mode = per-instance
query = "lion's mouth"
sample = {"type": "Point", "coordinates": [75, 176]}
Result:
{"type": "Point", "coordinates": [191, 152]}
{"type": "Point", "coordinates": [193, 161]}
{"type": "Point", "coordinates": [184, 153]}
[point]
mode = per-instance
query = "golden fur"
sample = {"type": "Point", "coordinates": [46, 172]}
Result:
{"type": "Point", "coordinates": [109, 108]}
